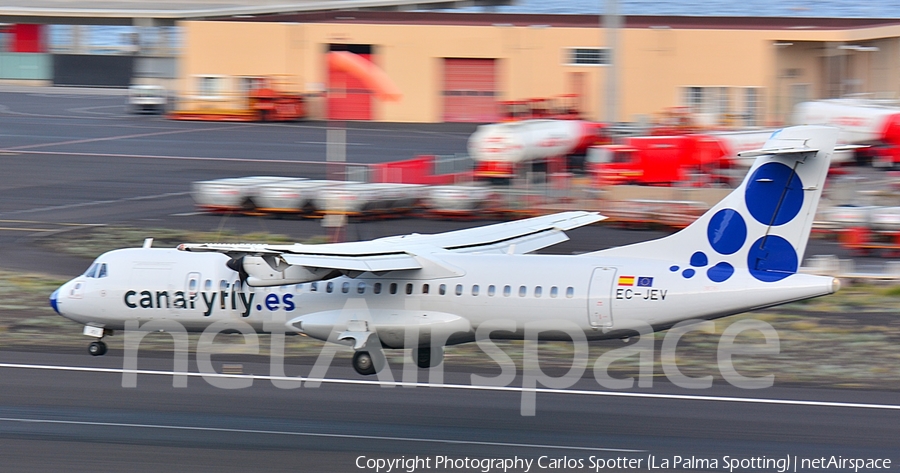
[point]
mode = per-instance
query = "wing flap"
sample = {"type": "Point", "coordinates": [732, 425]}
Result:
{"type": "Point", "coordinates": [373, 263]}
{"type": "Point", "coordinates": [519, 245]}
{"type": "Point", "coordinates": [504, 234]}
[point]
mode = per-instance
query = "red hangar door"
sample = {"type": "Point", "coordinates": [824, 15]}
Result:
{"type": "Point", "coordinates": [469, 90]}
{"type": "Point", "coordinates": [348, 98]}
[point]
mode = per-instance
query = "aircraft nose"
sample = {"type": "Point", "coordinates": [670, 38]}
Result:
{"type": "Point", "coordinates": [53, 301]}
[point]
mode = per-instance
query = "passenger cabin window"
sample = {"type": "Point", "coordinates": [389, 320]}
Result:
{"type": "Point", "coordinates": [223, 285]}
{"type": "Point", "coordinates": [207, 285]}
{"type": "Point", "coordinates": [459, 289]}
{"type": "Point", "coordinates": [442, 289]}
{"type": "Point", "coordinates": [425, 288]}
{"type": "Point", "coordinates": [492, 290]}
{"type": "Point", "coordinates": [361, 288]}
{"type": "Point", "coordinates": [377, 288]}
{"type": "Point", "coordinates": [523, 291]}
{"type": "Point", "coordinates": [329, 287]}
{"type": "Point", "coordinates": [409, 288]}
{"type": "Point", "coordinates": [570, 292]}
{"type": "Point", "coordinates": [314, 287]}
{"type": "Point", "coordinates": [345, 288]}
{"type": "Point", "coordinates": [193, 283]}
{"type": "Point", "coordinates": [393, 288]}
{"type": "Point", "coordinates": [475, 290]}
{"type": "Point", "coordinates": [538, 291]}
{"type": "Point", "coordinates": [507, 291]}
{"type": "Point", "coordinates": [554, 291]}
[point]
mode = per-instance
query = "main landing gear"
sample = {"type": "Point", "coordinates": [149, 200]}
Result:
{"type": "Point", "coordinates": [428, 357]}
{"type": "Point", "coordinates": [97, 348]}
{"type": "Point", "coordinates": [363, 364]}
{"type": "Point", "coordinates": [425, 357]}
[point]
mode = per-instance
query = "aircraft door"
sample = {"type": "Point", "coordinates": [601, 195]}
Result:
{"type": "Point", "coordinates": [600, 297]}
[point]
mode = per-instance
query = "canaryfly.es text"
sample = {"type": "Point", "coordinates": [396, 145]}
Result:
{"type": "Point", "coordinates": [208, 301]}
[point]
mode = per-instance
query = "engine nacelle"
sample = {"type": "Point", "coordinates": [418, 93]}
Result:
{"type": "Point", "coordinates": [390, 325]}
{"type": "Point", "coordinates": [265, 271]}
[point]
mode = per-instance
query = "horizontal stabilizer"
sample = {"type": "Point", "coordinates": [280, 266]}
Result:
{"type": "Point", "coordinates": [777, 152]}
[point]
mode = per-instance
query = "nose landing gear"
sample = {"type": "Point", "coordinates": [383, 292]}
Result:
{"type": "Point", "coordinates": [97, 348]}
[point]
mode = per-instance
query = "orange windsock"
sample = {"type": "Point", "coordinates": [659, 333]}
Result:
{"type": "Point", "coordinates": [371, 75]}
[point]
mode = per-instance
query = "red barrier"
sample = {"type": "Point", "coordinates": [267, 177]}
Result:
{"type": "Point", "coordinates": [418, 170]}
{"type": "Point", "coordinates": [27, 38]}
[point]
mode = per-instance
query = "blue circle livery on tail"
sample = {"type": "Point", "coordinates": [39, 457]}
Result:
{"type": "Point", "coordinates": [762, 227]}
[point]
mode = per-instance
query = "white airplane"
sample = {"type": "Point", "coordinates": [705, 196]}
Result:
{"type": "Point", "coordinates": [429, 291]}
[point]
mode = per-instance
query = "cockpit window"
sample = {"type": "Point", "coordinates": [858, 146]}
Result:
{"type": "Point", "coordinates": [102, 273]}
{"type": "Point", "coordinates": [92, 271]}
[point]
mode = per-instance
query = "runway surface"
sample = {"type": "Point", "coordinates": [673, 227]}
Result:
{"type": "Point", "coordinates": [71, 161]}
{"type": "Point", "coordinates": [88, 421]}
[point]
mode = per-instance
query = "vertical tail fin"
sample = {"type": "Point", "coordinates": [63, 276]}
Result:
{"type": "Point", "coordinates": [764, 224]}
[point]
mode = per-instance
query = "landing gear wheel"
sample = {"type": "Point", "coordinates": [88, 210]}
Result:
{"type": "Point", "coordinates": [363, 364]}
{"type": "Point", "coordinates": [422, 357]}
{"type": "Point", "coordinates": [97, 348]}
{"type": "Point", "coordinates": [428, 358]}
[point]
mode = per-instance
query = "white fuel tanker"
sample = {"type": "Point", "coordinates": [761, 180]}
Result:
{"type": "Point", "coordinates": [861, 122]}
{"type": "Point", "coordinates": [498, 148]}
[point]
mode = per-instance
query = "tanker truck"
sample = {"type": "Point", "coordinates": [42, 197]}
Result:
{"type": "Point", "coordinates": [502, 149]}
{"type": "Point", "coordinates": [861, 122]}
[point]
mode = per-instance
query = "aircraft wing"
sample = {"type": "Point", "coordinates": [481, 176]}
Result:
{"type": "Point", "coordinates": [400, 253]}
{"type": "Point", "coordinates": [520, 236]}
{"type": "Point", "coordinates": [516, 237]}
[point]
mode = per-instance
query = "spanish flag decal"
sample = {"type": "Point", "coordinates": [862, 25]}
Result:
{"type": "Point", "coordinates": [626, 280]}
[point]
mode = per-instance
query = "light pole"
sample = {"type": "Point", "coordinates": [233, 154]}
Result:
{"type": "Point", "coordinates": [779, 45]}
{"type": "Point", "coordinates": [612, 21]}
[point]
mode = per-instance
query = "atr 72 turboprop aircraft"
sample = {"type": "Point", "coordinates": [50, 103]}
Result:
{"type": "Point", "coordinates": [429, 291]}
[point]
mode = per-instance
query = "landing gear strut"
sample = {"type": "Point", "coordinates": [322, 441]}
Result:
{"type": "Point", "coordinates": [363, 364]}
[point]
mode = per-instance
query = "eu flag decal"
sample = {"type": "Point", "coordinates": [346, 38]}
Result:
{"type": "Point", "coordinates": [644, 281]}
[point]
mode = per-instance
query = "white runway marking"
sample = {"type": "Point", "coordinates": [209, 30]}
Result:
{"type": "Point", "coordinates": [123, 137]}
{"type": "Point", "coordinates": [187, 214]}
{"type": "Point", "coordinates": [173, 158]}
{"type": "Point", "coordinates": [313, 434]}
{"type": "Point", "coordinates": [514, 389]}
{"type": "Point", "coordinates": [92, 110]}
{"type": "Point", "coordinates": [326, 143]}
{"type": "Point", "coordinates": [96, 202]}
